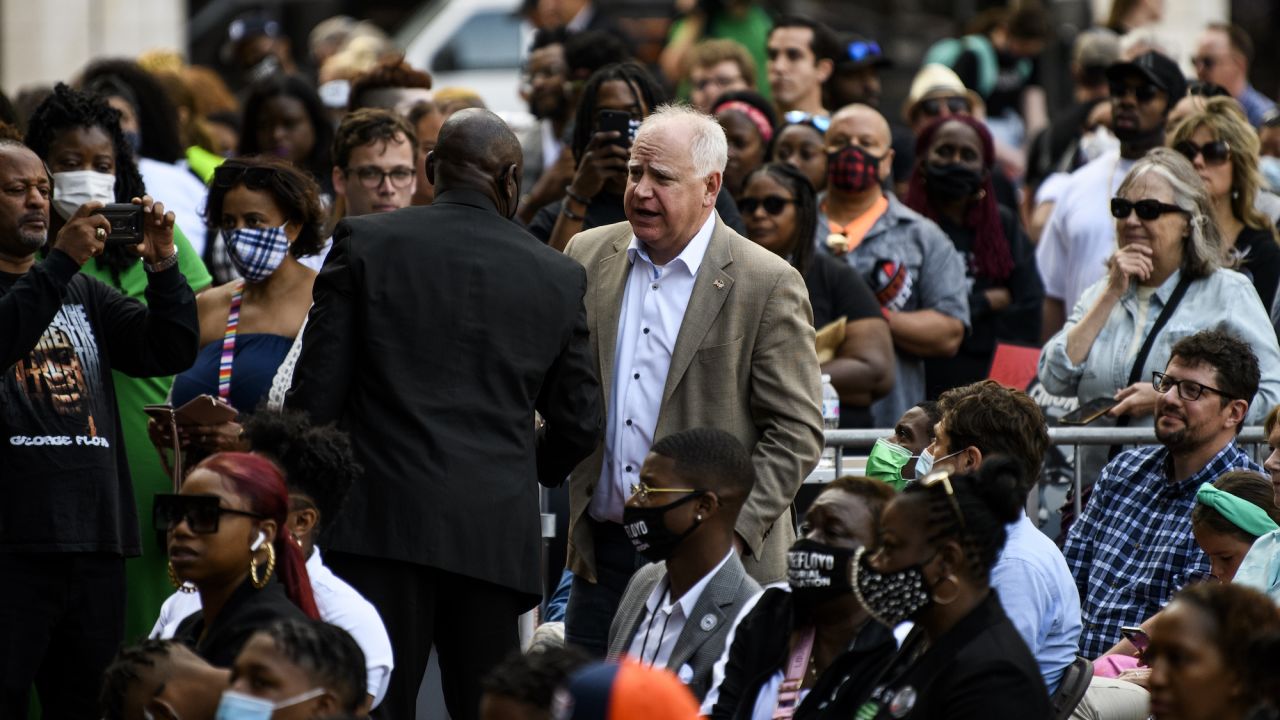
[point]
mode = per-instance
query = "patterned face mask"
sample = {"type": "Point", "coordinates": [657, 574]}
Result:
{"type": "Point", "coordinates": [890, 598]}
{"type": "Point", "coordinates": [852, 169]}
{"type": "Point", "coordinates": [256, 253]}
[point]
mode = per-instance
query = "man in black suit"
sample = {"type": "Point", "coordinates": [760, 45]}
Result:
{"type": "Point", "coordinates": [436, 333]}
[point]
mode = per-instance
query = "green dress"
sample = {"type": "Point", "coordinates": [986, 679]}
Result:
{"type": "Point", "coordinates": [147, 577]}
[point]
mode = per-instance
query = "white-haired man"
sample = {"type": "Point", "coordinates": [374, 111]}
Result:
{"type": "Point", "coordinates": [692, 326]}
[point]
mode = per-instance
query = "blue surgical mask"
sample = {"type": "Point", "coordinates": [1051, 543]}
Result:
{"type": "Point", "coordinates": [925, 464]}
{"type": "Point", "coordinates": [256, 253]}
{"type": "Point", "coordinates": [238, 706]}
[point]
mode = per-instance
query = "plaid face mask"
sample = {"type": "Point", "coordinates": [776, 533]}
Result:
{"type": "Point", "coordinates": [257, 252]}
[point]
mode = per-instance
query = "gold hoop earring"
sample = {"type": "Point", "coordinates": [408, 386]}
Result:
{"type": "Point", "coordinates": [260, 583]}
{"type": "Point", "coordinates": [179, 585]}
{"type": "Point", "coordinates": [956, 594]}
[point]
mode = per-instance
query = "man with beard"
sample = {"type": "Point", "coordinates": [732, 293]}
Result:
{"type": "Point", "coordinates": [1080, 234]}
{"type": "Point", "coordinates": [547, 168]}
{"type": "Point", "coordinates": [1132, 547]}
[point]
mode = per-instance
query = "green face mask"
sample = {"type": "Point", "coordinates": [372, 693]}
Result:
{"type": "Point", "coordinates": [886, 461]}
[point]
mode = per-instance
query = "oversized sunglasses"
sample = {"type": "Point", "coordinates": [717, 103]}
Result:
{"type": "Point", "coordinates": [799, 117]}
{"type": "Point", "coordinates": [1214, 153]}
{"type": "Point", "coordinates": [1147, 209]}
{"type": "Point", "coordinates": [202, 512]}
{"type": "Point", "coordinates": [942, 478]}
{"type": "Point", "coordinates": [954, 105]}
{"type": "Point", "coordinates": [772, 204]}
{"type": "Point", "coordinates": [254, 178]}
{"type": "Point", "coordinates": [1144, 92]}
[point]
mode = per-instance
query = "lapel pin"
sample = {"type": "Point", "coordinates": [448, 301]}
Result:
{"type": "Point", "coordinates": [708, 621]}
{"type": "Point", "coordinates": [718, 283]}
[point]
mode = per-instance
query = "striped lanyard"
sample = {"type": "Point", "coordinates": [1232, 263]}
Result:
{"type": "Point", "coordinates": [797, 668]}
{"type": "Point", "coordinates": [229, 344]}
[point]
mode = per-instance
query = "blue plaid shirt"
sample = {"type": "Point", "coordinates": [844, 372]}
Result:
{"type": "Point", "coordinates": [1132, 547]}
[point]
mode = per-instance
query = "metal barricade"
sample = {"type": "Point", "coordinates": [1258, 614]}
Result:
{"type": "Point", "coordinates": [1075, 436]}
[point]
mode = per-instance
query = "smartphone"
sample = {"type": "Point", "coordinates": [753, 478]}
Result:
{"type": "Point", "coordinates": [1137, 637]}
{"type": "Point", "coordinates": [126, 223]}
{"type": "Point", "coordinates": [1089, 411]}
{"type": "Point", "coordinates": [621, 123]}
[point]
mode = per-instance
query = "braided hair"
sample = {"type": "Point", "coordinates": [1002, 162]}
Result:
{"type": "Point", "coordinates": [66, 109]}
{"type": "Point", "coordinates": [532, 679]}
{"type": "Point", "coordinates": [806, 208]}
{"type": "Point", "coordinates": [326, 653]}
{"type": "Point", "coordinates": [126, 669]}
{"type": "Point", "coordinates": [989, 499]}
{"type": "Point", "coordinates": [647, 91]}
{"type": "Point", "coordinates": [991, 253]}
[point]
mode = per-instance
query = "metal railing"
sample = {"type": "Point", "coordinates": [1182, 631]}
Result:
{"type": "Point", "coordinates": [1075, 436]}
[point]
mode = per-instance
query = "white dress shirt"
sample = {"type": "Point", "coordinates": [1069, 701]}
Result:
{"type": "Point", "coordinates": [339, 604]}
{"type": "Point", "coordinates": [653, 306]}
{"type": "Point", "coordinates": [664, 619]}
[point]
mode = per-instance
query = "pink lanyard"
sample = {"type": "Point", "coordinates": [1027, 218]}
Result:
{"type": "Point", "coordinates": [797, 666]}
{"type": "Point", "coordinates": [229, 344]}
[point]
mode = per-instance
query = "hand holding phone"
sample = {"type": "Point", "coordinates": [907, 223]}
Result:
{"type": "Point", "coordinates": [621, 123]}
{"type": "Point", "coordinates": [1089, 411]}
{"type": "Point", "coordinates": [126, 223]}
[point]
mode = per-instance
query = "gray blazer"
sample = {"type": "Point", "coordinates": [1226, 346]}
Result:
{"type": "Point", "coordinates": [701, 642]}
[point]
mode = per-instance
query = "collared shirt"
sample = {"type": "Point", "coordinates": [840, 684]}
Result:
{"type": "Point", "coordinates": [1255, 104]}
{"type": "Point", "coordinates": [653, 306]}
{"type": "Point", "coordinates": [1040, 597]}
{"type": "Point", "coordinates": [664, 619]}
{"type": "Point", "coordinates": [1132, 547]}
{"type": "Point", "coordinates": [1081, 234]}
{"type": "Point", "coordinates": [339, 604]}
{"type": "Point", "coordinates": [910, 265]}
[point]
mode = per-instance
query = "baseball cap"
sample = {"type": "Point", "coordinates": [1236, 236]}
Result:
{"type": "Point", "coordinates": [623, 691]}
{"type": "Point", "coordinates": [1155, 67]}
{"type": "Point", "coordinates": [857, 52]}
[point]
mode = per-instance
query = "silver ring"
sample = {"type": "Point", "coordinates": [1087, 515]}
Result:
{"type": "Point", "coordinates": [101, 234]}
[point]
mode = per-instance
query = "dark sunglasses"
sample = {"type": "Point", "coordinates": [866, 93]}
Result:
{"type": "Point", "coordinates": [254, 178]}
{"type": "Point", "coordinates": [955, 105]}
{"type": "Point", "coordinates": [773, 204]}
{"type": "Point", "coordinates": [799, 117]}
{"type": "Point", "coordinates": [1147, 209]}
{"type": "Point", "coordinates": [1144, 93]}
{"type": "Point", "coordinates": [1214, 153]}
{"type": "Point", "coordinates": [200, 511]}
{"type": "Point", "coordinates": [859, 50]}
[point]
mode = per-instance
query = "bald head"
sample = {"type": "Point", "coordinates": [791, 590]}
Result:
{"type": "Point", "coordinates": [858, 120]}
{"type": "Point", "coordinates": [477, 151]}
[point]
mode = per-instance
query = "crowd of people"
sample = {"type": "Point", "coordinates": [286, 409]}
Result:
{"type": "Point", "coordinates": [350, 310]}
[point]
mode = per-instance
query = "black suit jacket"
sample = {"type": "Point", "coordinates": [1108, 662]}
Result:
{"type": "Point", "coordinates": [436, 332]}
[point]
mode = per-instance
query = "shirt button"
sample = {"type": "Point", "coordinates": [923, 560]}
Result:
{"type": "Point", "coordinates": [628, 423]}
{"type": "Point", "coordinates": [646, 331]}
{"type": "Point", "coordinates": [636, 376]}
{"type": "Point", "coordinates": [628, 468]}
{"type": "Point", "coordinates": [654, 286]}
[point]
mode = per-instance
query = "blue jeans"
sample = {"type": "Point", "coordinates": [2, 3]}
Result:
{"type": "Point", "coordinates": [592, 605]}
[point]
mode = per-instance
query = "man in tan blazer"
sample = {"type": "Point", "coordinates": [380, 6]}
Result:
{"type": "Point", "coordinates": [692, 325]}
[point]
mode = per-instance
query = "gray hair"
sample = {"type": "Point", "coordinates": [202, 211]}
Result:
{"type": "Point", "coordinates": [709, 149]}
{"type": "Point", "coordinates": [1136, 42]}
{"type": "Point", "coordinates": [1202, 249]}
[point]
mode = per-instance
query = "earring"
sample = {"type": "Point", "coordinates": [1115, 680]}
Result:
{"type": "Point", "coordinates": [956, 594]}
{"type": "Point", "coordinates": [698, 517]}
{"type": "Point", "coordinates": [271, 568]}
{"type": "Point", "coordinates": [179, 585]}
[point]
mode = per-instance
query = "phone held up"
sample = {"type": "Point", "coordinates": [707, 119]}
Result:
{"type": "Point", "coordinates": [621, 123]}
{"type": "Point", "coordinates": [1089, 411]}
{"type": "Point", "coordinates": [126, 223]}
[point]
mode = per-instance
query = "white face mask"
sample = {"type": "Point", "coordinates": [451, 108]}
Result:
{"type": "Point", "coordinates": [77, 187]}
{"type": "Point", "coordinates": [1098, 142]}
{"type": "Point", "coordinates": [924, 465]}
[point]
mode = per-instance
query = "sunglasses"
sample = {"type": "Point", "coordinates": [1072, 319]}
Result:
{"type": "Point", "coordinates": [1188, 390]}
{"type": "Point", "coordinates": [859, 50]}
{"type": "Point", "coordinates": [1214, 153]}
{"type": "Point", "coordinates": [772, 204]}
{"type": "Point", "coordinates": [799, 117]}
{"type": "Point", "coordinates": [254, 178]}
{"type": "Point", "coordinates": [943, 478]}
{"type": "Point", "coordinates": [201, 512]}
{"type": "Point", "coordinates": [1147, 209]}
{"type": "Point", "coordinates": [1143, 93]}
{"type": "Point", "coordinates": [642, 492]}
{"type": "Point", "coordinates": [955, 105]}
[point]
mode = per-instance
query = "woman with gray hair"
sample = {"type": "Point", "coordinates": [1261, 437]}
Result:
{"type": "Point", "coordinates": [1164, 280]}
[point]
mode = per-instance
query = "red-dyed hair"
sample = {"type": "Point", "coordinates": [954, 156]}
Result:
{"type": "Point", "coordinates": [991, 254]}
{"type": "Point", "coordinates": [258, 480]}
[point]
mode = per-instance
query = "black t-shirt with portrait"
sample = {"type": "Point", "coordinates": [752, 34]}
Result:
{"type": "Point", "coordinates": [836, 290]}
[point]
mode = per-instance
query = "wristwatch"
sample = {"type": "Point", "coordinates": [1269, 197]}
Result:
{"type": "Point", "coordinates": [164, 264]}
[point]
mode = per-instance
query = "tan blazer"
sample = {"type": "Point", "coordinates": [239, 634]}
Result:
{"type": "Point", "coordinates": [744, 362]}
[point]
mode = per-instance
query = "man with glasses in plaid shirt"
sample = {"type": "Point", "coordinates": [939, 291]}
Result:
{"type": "Point", "coordinates": [1132, 547]}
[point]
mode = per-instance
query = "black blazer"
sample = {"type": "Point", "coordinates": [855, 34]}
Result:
{"type": "Point", "coordinates": [435, 334]}
{"type": "Point", "coordinates": [979, 670]}
{"type": "Point", "coordinates": [248, 611]}
{"type": "Point", "coordinates": [761, 648]}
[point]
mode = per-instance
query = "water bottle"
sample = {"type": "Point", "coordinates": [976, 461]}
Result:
{"type": "Point", "coordinates": [830, 419]}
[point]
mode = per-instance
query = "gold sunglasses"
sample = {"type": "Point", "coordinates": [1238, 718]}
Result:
{"type": "Point", "coordinates": [642, 492]}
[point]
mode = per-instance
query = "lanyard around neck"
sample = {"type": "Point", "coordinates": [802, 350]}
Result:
{"type": "Point", "coordinates": [229, 343]}
{"type": "Point", "coordinates": [797, 666]}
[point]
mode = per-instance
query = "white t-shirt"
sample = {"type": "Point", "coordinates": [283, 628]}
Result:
{"type": "Point", "coordinates": [339, 604]}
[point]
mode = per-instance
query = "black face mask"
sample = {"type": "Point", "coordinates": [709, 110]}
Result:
{"type": "Point", "coordinates": [647, 528]}
{"type": "Point", "coordinates": [818, 573]}
{"type": "Point", "coordinates": [890, 598]}
{"type": "Point", "coordinates": [951, 182]}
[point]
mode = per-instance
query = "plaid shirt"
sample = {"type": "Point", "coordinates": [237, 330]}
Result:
{"type": "Point", "coordinates": [1132, 547]}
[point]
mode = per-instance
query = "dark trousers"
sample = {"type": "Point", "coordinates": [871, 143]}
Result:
{"type": "Point", "coordinates": [592, 605]}
{"type": "Point", "coordinates": [472, 623]}
{"type": "Point", "coordinates": [61, 623]}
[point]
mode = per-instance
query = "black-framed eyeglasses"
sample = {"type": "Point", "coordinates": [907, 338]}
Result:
{"type": "Point", "coordinates": [1147, 209]}
{"type": "Point", "coordinates": [201, 512]}
{"type": "Point", "coordinates": [943, 478]}
{"type": "Point", "coordinates": [1187, 389]}
{"type": "Point", "coordinates": [1143, 93]}
{"type": "Point", "coordinates": [860, 50]}
{"type": "Point", "coordinates": [821, 123]}
{"type": "Point", "coordinates": [954, 105]}
{"type": "Point", "coordinates": [772, 204]}
{"type": "Point", "coordinates": [641, 492]}
{"type": "Point", "coordinates": [371, 177]}
{"type": "Point", "coordinates": [1214, 153]}
{"type": "Point", "coordinates": [254, 178]}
